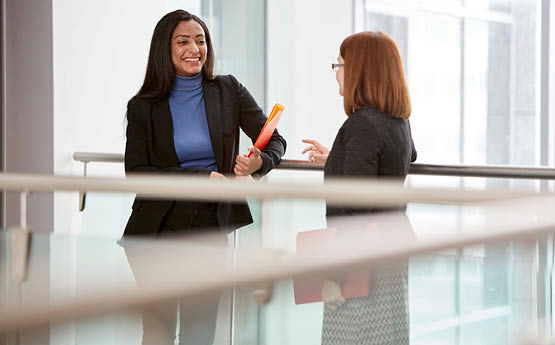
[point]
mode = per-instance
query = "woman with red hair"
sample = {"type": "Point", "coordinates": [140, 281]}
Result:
{"type": "Point", "coordinates": [374, 141]}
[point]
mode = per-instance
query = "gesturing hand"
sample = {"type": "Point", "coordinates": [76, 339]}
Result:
{"type": "Point", "coordinates": [245, 166]}
{"type": "Point", "coordinates": [318, 152]}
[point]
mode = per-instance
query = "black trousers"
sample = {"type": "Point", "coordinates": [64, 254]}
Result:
{"type": "Point", "coordinates": [197, 323]}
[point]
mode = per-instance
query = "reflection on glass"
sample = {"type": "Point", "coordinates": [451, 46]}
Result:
{"type": "Point", "coordinates": [482, 294]}
{"type": "Point", "coordinates": [503, 6]}
{"type": "Point", "coordinates": [475, 125]}
{"type": "Point", "coordinates": [179, 320]}
{"type": "Point", "coordinates": [423, 3]}
{"type": "Point", "coordinates": [375, 307]}
{"type": "Point", "coordinates": [434, 76]}
{"type": "Point", "coordinates": [394, 26]}
{"type": "Point", "coordinates": [471, 67]}
{"type": "Point", "coordinates": [442, 3]}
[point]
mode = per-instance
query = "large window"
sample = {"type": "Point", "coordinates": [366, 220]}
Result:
{"type": "Point", "coordinates": [473, 71]}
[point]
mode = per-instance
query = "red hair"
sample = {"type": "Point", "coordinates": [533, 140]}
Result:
{"type": "Point", "coordinates": [374, 75]}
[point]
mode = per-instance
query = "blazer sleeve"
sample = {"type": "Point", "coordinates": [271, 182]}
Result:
{"type": "Point", "coordinates": [137, 158]}
{"type": "Point", "coordinates": [252, 120]}
{"type": "Point", "coordinates": [414, 154]}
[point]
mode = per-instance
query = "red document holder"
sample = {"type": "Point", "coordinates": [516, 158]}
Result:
{"type": "Point", "coordinates": [309, 290]}
{"type": "Point", "coordinates": [268, 130]}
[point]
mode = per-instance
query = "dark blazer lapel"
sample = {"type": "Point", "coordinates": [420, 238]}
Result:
{"type": "Point", "coordinates": [214, 118]}
{"type": "Point", "coordinates": [163, 128]}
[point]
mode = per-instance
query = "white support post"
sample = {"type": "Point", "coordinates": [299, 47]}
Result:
{"type": "Point", "coordinates": [19, 242]}
{"type": "Point", "coordinates": [19, 251]}
{"type": "Point", "coordinates": [262, 293]}
{"type": "Point", "coordinates": [23, 203]}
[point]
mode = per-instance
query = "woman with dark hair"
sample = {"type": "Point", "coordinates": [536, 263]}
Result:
{"type": "Point", "coordinates": [374, 141]}
{"type": "Point", "coordinates": [186, 120]}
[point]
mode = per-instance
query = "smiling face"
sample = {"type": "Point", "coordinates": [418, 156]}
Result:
{"type": "Point", "coordinates": [339, 75]}
{"type": "Point", "coordinates": [188, 48]}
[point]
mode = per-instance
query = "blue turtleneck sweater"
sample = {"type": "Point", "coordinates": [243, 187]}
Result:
{"type": "Point", "coordinates": [190, 129]}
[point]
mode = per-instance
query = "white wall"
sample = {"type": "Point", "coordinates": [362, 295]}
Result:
{"type": "Point", "coordinates": [100, 53]}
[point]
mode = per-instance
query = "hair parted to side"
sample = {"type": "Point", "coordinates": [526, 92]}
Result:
{"type": "Point", "coordinates": [374, 75]}
{"type": "Point", "coordinates": [160, 72]}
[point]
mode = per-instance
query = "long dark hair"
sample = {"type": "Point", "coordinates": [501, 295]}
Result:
{"type": "Point", "coordinates": [160, 72]}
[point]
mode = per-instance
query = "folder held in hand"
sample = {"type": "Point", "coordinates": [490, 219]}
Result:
{"type": "Point", "coordinates": [269, 127]}
{"type": "Point", "coordinates": [309, 290]}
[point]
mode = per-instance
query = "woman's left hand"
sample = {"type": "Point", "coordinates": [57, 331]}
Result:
{"type": "Point", "coordinates": [245, 166]}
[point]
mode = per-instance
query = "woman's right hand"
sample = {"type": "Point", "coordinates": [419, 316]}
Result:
{"type": "Point", "coordinates": [318, 152]}
{"type": "Point", "coordinates": [216, 176]}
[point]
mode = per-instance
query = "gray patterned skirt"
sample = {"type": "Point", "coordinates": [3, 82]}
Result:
{"type": "Point", "coordinates": [381, 318]}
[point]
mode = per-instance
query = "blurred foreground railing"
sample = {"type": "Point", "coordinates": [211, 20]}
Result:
{"type": "Point", "coordinates": [261, 266]}
{"type": "Point", "coordinates": [533, 212]}
{"type": "Point", "coordinates": [356, 192]}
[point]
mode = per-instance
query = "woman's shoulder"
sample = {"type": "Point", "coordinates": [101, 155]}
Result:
{"type": "Point", "coordinates": [371, 113]}
{"type": "Point", "coordinates": [370, 117]}
{"type": "Point", "coordinates": [225, 79]}
{"type": "Point", "coordinates": [138, 107]}
{"type": "Point", "coordinates": [228, 84]}
{"type": "Point", "coordinates": [363, 119]}
{"type": "Point", "coordinates": [370, 123]}
{"type": "Point", "coordinates": [137, 101]}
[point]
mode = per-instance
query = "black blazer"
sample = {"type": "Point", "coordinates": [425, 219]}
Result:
{"type": "Point", "coordinates": [150, 148]}
{"type": "Point", "coordinates": [370, 144]}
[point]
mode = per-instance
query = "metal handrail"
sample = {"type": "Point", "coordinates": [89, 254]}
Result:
{"type": "Point", "coordinates": [486, 171]}
{"type": "Point", "coordinates": [87, 157]}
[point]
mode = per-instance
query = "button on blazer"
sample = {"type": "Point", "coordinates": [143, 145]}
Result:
{"type": "Point", "coordinates": [150, 148]}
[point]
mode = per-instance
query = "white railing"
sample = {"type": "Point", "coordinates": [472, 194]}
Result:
{"type": "Point", "coordinates": [377, 192]}
{"type": "Point", "coordinates": [531, 219]}
{"type": "Point", "coordinates": [531, 216]}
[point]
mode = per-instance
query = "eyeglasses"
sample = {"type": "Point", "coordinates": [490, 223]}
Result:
{"type": "Point", "coordinates": [335, 66]}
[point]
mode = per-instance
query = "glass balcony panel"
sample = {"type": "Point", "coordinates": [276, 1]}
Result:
{"type": "Point", "coordinates": [470, 289]}
{"type": "Point", "coordinates": [480, 294]}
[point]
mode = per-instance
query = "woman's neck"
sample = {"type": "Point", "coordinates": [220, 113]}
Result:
{"type": "Point", "coordinates": [187, 83]}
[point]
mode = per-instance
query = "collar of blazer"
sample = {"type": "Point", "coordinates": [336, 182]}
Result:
{"type": "Point", "coordinates": [214, 117]}
{"type": "Point", "coordinates": [164, 125]}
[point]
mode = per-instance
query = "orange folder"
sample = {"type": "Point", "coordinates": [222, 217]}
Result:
{"type": "Point", "coordinates": [269, 127]}
{"type": "Point", "coordinates": [309, 290]}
